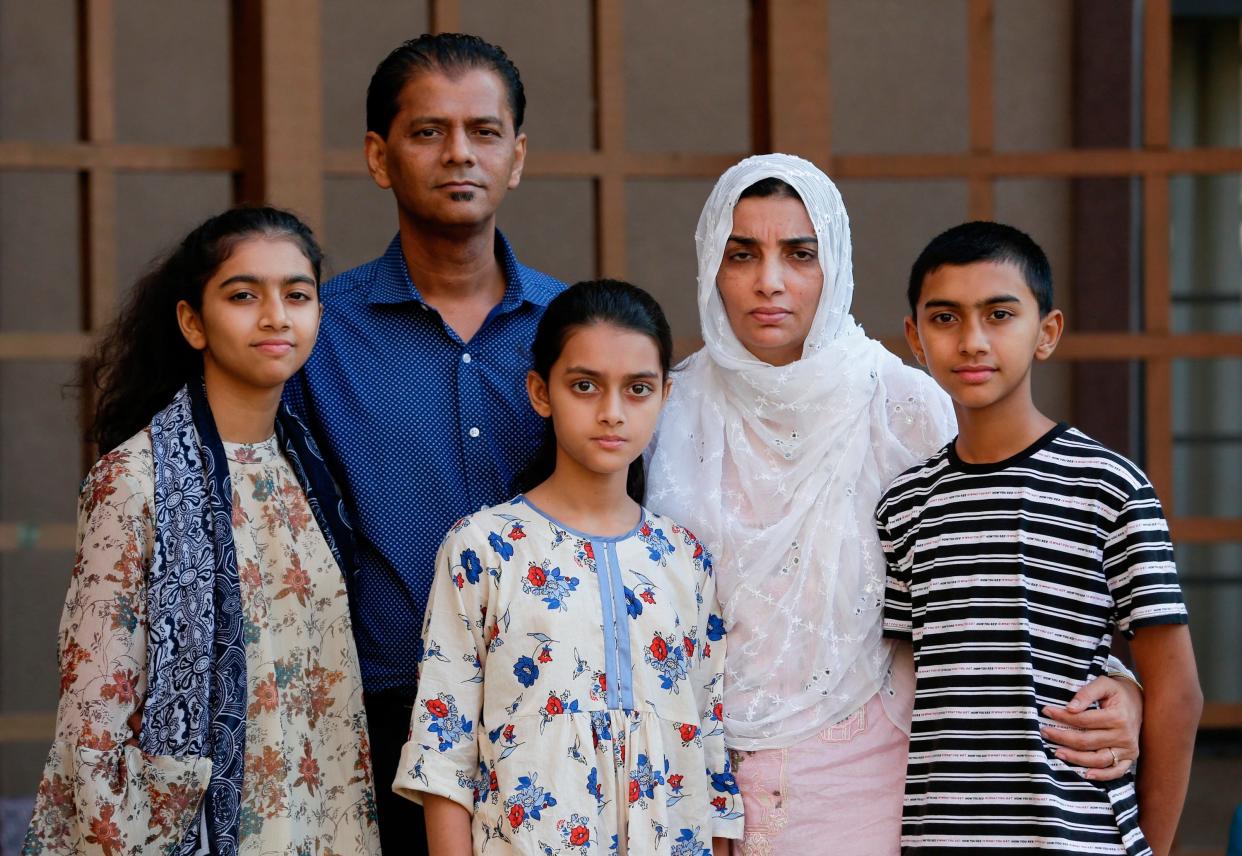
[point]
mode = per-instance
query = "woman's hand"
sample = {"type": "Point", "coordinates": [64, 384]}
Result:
{"type": "Point", "coordinates": [1104, 739]}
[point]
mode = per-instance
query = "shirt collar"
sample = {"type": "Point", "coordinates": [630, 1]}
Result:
{"type": "Point", "coordinates": [392, 282]}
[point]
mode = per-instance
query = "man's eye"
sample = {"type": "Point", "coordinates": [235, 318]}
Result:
{"type": "Point", "coordinates": [641, 389]}
{"type": "Point", "coordinates": [1001, 314]}
{"type": "Point", "coordinates": [582, 386]}
{"type": "Point", "coordinates": [240, 296]}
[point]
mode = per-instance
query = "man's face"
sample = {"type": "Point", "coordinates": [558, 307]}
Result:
{"type": "Point", "coordinates": [977, 328]}
{"type": "Point", "coordinates": [451, 153]}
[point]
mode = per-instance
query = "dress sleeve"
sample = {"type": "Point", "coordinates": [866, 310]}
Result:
{"type": "Point", "coordinates": [1138, 562]}
{"type": "Point", "coordinates": [708, 682]}
{"type": "Point", "coordinates": [897, 612]}
{"type": "Point", "coordinates": [442, 754]}
{"type": "Point", "coordinates": [100, 793]}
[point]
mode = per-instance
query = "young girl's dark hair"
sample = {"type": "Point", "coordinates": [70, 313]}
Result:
{"type": "Point", "coordinates": [143, 359]}
{"type": "Point", "coordinates": [599, 301]}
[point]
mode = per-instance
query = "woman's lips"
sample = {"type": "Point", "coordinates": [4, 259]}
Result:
{"type": "Point", "coordinates": [610, 443]}
{"type": "Point", "coordinates": [769, 315]}
{"type": "Point", "coordinates": [975, 374]}
{"type": "Point", "coordinates": [274, 347]}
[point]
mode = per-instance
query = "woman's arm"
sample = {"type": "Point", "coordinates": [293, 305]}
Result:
{"type": "Point", "coordinates": [1173, 705]}
{"type": "Point", "coordinates": [448, 827]}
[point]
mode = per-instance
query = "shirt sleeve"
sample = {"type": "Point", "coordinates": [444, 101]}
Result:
{"type": "Point", "coordinates": [100, 793]}
{"type": "Point", "coordinates": [1138, 563]}
{"type": "Point", "coordinates": [442, 754]}
{"type": "Point", "coordinates": [708, 682]}
{"type": "Point", "coordinates": [897, 612]}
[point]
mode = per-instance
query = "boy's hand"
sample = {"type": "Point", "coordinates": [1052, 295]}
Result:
{"type": "Point", "coordinates": [1105, 739]}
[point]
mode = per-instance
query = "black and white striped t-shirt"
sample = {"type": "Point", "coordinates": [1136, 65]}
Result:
{"type": "Point", "coordinates": [1009, 579]}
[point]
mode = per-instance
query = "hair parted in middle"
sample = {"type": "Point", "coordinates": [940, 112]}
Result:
{"type": "Point", "coordinates": [584, 304]}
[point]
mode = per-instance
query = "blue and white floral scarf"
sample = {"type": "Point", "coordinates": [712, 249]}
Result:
{"type": "Point", "coordinates": [196, 659]}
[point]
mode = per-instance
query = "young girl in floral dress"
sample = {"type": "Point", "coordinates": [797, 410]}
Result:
{"type": "Point", "coordinates": [570, 690]}
{"type": "Point", "coordinates": [210, 695]}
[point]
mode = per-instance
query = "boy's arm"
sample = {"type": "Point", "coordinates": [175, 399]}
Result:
{"type": "Point", "coordinates": [1171, 712]}
{"type": "Point", "coordinates": [448, 827]}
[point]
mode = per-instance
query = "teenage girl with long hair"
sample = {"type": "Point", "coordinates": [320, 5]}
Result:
{"type": "Point", "coordinates": [210, 696]}
{"type": "Point", "coordinates": [570, 687]}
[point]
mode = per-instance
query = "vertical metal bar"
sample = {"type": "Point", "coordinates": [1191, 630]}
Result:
{"type": "Point", "coordinates": [608, 22]}
{"type": "Point", "coordinates": [980, 68]}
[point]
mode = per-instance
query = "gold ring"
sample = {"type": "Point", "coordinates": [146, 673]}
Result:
{"type": "Point", "coordinates": [1113, 752]}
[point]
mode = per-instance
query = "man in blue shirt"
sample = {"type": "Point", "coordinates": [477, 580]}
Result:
{"type": "Point", "coordinates": [416, 388]}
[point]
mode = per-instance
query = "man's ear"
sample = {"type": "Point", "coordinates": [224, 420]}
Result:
{"type": "Point", "coordinates": [519, 161]}
{"type": "Point", "coordinates": [1051, 326]}
{"type": "Point", "coordinates": [668, 387]}
{"type": "Point", "coordinates": [375, 148]}
{"type": "Point", "coordinates": [912, 339]}
{"type": "Point", "coordinates": [537, 390]}
{"type": "Point", "coordinates": [191, 324]}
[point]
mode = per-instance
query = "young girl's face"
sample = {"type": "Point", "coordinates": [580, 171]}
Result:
{"type": "Point", "coordinates": [259, 316]}
{"type": "Point", "coordinates": [603, 395]}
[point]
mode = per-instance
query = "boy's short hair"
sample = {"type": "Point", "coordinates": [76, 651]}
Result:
{"type": "Point", "coordinates": [985, 241]}
{"type": "Point", "coordinates": [445, 52]}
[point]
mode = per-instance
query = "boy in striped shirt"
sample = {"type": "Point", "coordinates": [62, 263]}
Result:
{"type": "Point", "coordinates": [1013, 554]}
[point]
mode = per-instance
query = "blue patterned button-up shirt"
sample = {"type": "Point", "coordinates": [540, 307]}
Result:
{"type": "Point", "coordinates": [420, 429]}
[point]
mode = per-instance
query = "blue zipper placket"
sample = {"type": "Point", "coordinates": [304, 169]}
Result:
{"type": "Point", "coordinates": [617, 660]}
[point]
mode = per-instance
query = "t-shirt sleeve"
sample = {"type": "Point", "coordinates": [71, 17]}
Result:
{"type": "Point", "coordinates": [1138, 563]}
{"type": "Point", "coordinates": [897, 620]}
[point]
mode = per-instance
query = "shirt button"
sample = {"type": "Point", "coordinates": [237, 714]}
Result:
{"type": "Point", "coordinates": [465, 358]}
{"type": "Point", "coordinates": [473, 432]}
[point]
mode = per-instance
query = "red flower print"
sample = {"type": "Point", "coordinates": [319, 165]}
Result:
{"type": "Point", "coordinates": [536, 576]}
{"type": "Point", "coordinates": [437, 708]}
{"type": "Point", "coordinates": [508, 732]}
{"type": "Point", "coordinates": [545, 656]}
{"type": "Point", "coordinates": [634, 790]}
{"type": "Point", "coordinates": [718, 803]}
{"type": "Point", "coordinates": [674, 781]}
{"type": "Point", "coordinates": [308, 769]}
{"type": "Point", "coordinates": [589, 549]}
{"type": "Point", "coordinates": [105, 833]}
{"type": "Point", "coordinates": [579, 836]}
{"type": "Point", "coordinates": [646, 530]}
{"type": "Point", "coordinates": [554, 705]}
{"type": "Point", "coordinates": [688, 644]}
{"type": "Point", "coordinates": [459, 581]}
{"type": "Point", "coordinates": [718, 712]}
{"type": "Point", "coordinates": [603, 681]}
{"type": "Point", "coordinates": [516, 533]}
{"type": "Point", "coordinates": [121, 688]}
{"type": "Point", "coordinates": [492, 783]}
{"type": "Point", "coordinates": [516, 815]}
{"type": "Point", "coordinates": [103, 742]}
{"type": "Point", "coordinates": [69, 660]}
{"type": "Point", "coordinates": [265, 698]}
{"type": "Point", "coordinates": [698, 549]}
{"type": "Point", "coordinates": [495, 632]}
{"type": "Point", "coordinates": [297, 582]}
{"type": "Point", "coordinates": [707, 650]}
{"type": "Point", "coordinates": [688, 731]}
{"type": "Point", "coordinates": [659, 649]}
{"type": "Point", "coordinates": [647, 595]}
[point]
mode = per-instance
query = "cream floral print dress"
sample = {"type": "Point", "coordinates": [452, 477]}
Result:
{"type": "Point", "coordinates": [307, 784]}
{"type": "Point", "coordinates": [569, 691]}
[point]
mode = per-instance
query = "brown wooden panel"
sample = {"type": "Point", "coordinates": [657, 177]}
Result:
{"type": "Point", "coordinates": [1067, 163]}
{"type": "Point", "coordinates": [1205, 530]}
{"type": "Point", "coordinates": [1221, 715]}
{"type": "Point", "coordinates": [445, 16]}
{"type": "Point", "coordinates": [44, 346]}
{"type": "Point", "coordinates": [1129, 346]}
{"type": "Point", "coordinates": [18, 155]}
{"type": "Point", "coordinates": [792, 68]}
{"type": "Point", "coordinates": [97, 46]}
{"type": "Point", "coordinates": [15, 537]}
{"type": "Point", "coordinates": [609, 68]}
{"type": "Point", "coordinates": [980, 59]}
{"type": "Point", "coordinates": [1157, 44]}
{"type": "Point", "coordinates": [27, 727]}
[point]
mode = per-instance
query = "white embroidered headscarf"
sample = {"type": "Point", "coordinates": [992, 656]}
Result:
{"type": "Point", "coordinates": [779, 469]}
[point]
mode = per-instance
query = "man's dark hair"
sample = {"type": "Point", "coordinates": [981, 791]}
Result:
{"type": "Point", "coordinates": [444, 52]}
{"type": "Point", "coordinates": [985, 241]}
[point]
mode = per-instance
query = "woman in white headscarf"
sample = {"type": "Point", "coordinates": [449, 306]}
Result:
{"type": "Point", "coordinates": [778, 439]}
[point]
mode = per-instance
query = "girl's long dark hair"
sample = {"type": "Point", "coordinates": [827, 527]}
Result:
{"type": "Point", "coordinates": [143, 359]}
{"type": "Point", "coordinates": [598, 301]}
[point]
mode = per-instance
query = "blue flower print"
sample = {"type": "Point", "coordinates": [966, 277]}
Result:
{"type": "Point", "coordinates": [668, 657]}
{"type": "Point", "coordinates": [633, 605]}
{"type": "Point", "coordinates": [526, 802]}
{"type": "Point", "coordinates": [446, 722]}
{"type": "Point", "coordinates": [724, 782]}
{"type": "Point", "coordinates": [595, 789]}
{"type": "Point", "coordinates": [643, 781]}
{"type": "Point", "coordinates": [715, 628]}
{"type": "Point", "coordinates": [687, 844]}
{"type": "Point", "coordinates": [658, 546]}
{"type": "Point", "coordinates": [575, 833]}
{"type": "Point", "coordinates": [502, 547]}
{"type": "Point", "coordinates": [548, 584]}
{"type": "Point", "coordinates": [525, 671]}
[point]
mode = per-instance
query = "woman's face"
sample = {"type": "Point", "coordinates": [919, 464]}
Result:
{"type": "Point", "coordinates": [259, 316]}
{"type": "Point", "coordinates": [770, 279]}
